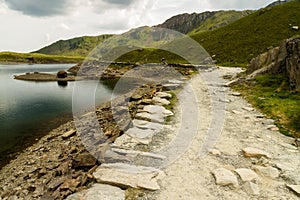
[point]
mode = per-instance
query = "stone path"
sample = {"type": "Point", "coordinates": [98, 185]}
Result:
{"type": "Point", "coordinates": [250, 159]}
{"type": "Point", "coordinates": [216, 146]}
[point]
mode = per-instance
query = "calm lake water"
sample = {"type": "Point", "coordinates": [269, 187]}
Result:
{"type": "Point", "coordinates": [29, 110]}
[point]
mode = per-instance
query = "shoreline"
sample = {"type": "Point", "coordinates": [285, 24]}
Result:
{"type": "Point", "coordinates": [49, 158]}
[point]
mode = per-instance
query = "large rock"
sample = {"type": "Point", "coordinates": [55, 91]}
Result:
{"type": "Point", "coordinates": [264, 59]}
{"type": "Point", "coordinates": [124, 176]}
{"type": "Point", "coordinates": [225, 177]}
{"type": "Point", "coordinates": [295, 188]}
{"type": "Point", "coordinates": [99, 192]}
{"type": "Point", "coordinates": [280, 60]}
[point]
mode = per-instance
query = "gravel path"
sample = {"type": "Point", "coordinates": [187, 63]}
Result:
{"type": "Point", "coordinates": [191, 177]}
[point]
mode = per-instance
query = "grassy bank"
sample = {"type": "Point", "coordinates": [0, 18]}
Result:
{"type": "Point", "coordinates": [11, 57]}
{"type": "Point", "coordinates": [271, 95]}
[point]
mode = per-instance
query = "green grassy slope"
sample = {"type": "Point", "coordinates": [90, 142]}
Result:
{"type": "Point", "coordinates": [220, 19]}
{"type": "Point", "coordinates": [80, 46]}
{"type": "Point", "coordinates": [239, 42]}
{"type": "Point", "coordinates": [7, 57]}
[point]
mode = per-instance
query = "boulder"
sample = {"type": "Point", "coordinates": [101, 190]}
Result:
{"type": "Point", "coordinates": [62, 74]}
{"type": "Point", "coordinates": [270, 172]}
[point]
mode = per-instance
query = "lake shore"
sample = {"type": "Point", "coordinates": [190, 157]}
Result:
{"type": "Point", "coordinates": [46, 166]}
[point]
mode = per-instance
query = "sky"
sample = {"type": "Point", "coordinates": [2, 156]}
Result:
{"type": "Point", "coordinates": [28, 25]}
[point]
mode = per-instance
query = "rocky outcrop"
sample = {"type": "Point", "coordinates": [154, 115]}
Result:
{"type": "Point", "coordinates": [280, 60]}
{"type": "Point", "coordinates": [185, 23]}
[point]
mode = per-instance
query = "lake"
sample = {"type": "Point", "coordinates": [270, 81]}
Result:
{"type": "Point", "coordinates": [29, 110]}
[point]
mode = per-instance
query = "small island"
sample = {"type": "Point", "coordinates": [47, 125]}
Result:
{"type": "Point", "coordinates": [37, 76]}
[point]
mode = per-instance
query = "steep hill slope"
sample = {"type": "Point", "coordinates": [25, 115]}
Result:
{"type": "Point", "coordinates": [197, 22]}
{"type": "Point", "coordinates": [246, 38]}
{"type": "Point", "coordinates": [80, 46]}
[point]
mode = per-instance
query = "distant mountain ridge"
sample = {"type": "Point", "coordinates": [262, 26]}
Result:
{"type": "Point", "coordinates": [209, 20]}
{"type": "Point", "coordinates": [79, 46]}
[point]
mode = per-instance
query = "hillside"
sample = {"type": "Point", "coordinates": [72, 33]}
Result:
{"type": "Point", "coordinates": [246, 38]}
{"type": "Point", "coordinates": [80, 46]}
{"type": "Point", "coordinates": [198, 22]}
{"type": "Point", "coordinates": [12, 57]}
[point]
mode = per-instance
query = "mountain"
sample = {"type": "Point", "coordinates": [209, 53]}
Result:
{"type": "Point", "coordinates": [80, 46]}
{"type": "Point", "coordinates": [279, 2]}
{"type": "Point", "coordinates": [242, 40]}
{"type": "Point", "coordinates": [197, 22]}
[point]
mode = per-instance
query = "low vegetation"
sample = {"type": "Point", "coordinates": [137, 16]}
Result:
{"type": "Point", "coordinates": [11, 57]}
{"type": "Point", "coordinates": [242, 40]}
{"type": "Point", "coordinates": [271, 95]}
{"type": "Point", "coordinates": [80, 46]}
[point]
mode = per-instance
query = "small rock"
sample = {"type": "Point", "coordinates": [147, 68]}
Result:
{"type": "Point", "coordinates": [268, 122]}
{"type": "Point", "coordinates": [225, 177]}
{"type": "Point", "coordinates": [215, 152]}
{"type": "Point", "coordinates": [224, 100]}
{"type": "Point", "coordinates": [84, 160]}
{"type": "Point", "coordinates": [248, 109]}
{"type": "Point", "coordinates": [70, 184]}
{"type": "Point", "coordinates": [237, 94]}
{"type": "Point", "coordinates": [230, 83]}
{"type": "Point", "coordinates": [267, 171]}
{"type": "Point", "coordinates": [253, 152]}
{"type": "Point", "coordinates": [237, 112]}
{"type": "Point", "coordinates": [252, 188]}
{"type": "Point", "coordinates": [99, 192]}
{"type": "Point", "coordinates": [68, 134]}
{"type": "Point", "coordinates": [294, 188]}
{"type": "Point", "coordinates": [246, 174]}
{"type": "Point", "coordinates": [136, 97]}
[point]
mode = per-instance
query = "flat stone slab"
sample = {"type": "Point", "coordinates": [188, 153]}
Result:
{"type": "Point", "coordinates": [270, 172]}
{"type": "Point", "coordinates": [124, 176]}
{"type": "Point", "coordinates": [225, 177]}
{"type": "Point", "coordinates": [151, 117]}
{"type": "Point", "coordinates": [253, 152]}
{"type": "Point", "coordinates": [294, 188]}
{"type": "Point", "coordinates": [140, 133]}
{"type": "Point", "coordinates": [163, 95]}
{"type": "Point", "coordinates": [99, 191]}
{"type": "Point", "coordinates": [146, 124]}
{"type": "Point", "coordinates": [157, 109]}
{"type": "Point", "coordinates": [246, 174]}
{"type": "Point", "coordinates": [160, 101]}
{"type": "Point", "coordinates": [68, 134]}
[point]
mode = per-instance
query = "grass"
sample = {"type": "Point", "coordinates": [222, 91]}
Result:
{"type": "Point", "coordinates": [271, 95]}
{"type": "Point", "coordinates": [80, 46]}
{"type": "Point", "coordinates": [220, 19]}
{"type": "Point", "coordinates": [237, 43]}
{"type": "Point", "coordinates": [8, 57]}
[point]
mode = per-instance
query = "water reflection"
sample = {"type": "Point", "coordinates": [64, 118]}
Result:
{"type": "Point", "coordinates": [62, 83]}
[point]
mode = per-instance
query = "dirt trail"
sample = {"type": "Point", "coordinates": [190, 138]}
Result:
{"type": "Point", "coordinates": [190, 177]}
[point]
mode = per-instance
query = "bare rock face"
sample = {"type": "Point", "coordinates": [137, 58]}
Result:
{"type": "Point", "coordinates": [262, 60]}
{"type": "Point", "coordinates": [280, 60]}
{"type": "Point", "coordinates": [293, 63]}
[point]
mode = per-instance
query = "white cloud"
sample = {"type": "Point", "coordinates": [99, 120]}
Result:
{"type": "Point", "coordinates": [28, 23]}
{"type": "Point", "coordinates": [65, 27]}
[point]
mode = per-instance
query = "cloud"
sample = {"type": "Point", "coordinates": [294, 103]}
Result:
{"type": "Point", "coordinates": [119, 2]}
{"type": "Point", "coordinates": [63, 26]}
{"type": "Point", "coordinates": [40, 8]}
